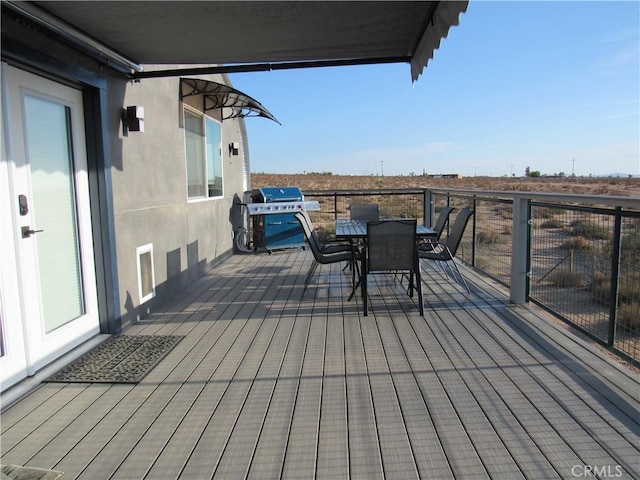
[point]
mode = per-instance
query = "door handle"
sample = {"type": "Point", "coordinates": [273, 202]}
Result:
{"type": "Point", "coordinates": [27, 231]}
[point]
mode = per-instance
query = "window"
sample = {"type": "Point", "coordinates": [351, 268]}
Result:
{"type": "Point", "coordinates": [203, 139]}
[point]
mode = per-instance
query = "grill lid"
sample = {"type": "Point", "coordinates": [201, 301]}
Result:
{"type": "Point", "coordinates": [277, 194]}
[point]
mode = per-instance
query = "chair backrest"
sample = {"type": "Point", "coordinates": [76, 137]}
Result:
{"type": "Point", "coordinates": [364, 211]}
{"type": "Point", "coordinates": [307, 224]}
{"type": "Point", "coordinates": [304, 220]}
{"type": "Point", "coordinates": [456, 232]}
{"type": "Point", "coordinates": [443, 218]}
{"type": "Point", "coordinates": [391, 245]}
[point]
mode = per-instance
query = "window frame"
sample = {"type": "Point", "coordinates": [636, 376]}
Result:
{"type": "Point", "coordinates": [204, 150]}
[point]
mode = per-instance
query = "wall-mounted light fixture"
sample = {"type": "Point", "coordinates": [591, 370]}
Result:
{"type": "Point", "coordinates": [132, 120]}
{"type": "Point", "coordinates": [234, 148]}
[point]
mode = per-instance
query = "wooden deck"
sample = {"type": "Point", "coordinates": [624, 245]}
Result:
{"type": "Point", "coordinates": [266, 385]}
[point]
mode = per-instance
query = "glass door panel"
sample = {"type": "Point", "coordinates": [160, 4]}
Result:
{"type": "Point", "coordinates": [53, 192]}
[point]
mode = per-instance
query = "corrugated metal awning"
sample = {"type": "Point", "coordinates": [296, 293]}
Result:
{"type": "Point", "coordinates": [219, 96]}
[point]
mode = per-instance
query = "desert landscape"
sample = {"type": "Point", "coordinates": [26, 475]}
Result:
{"type": "Point", "coordinates": [624, 186]}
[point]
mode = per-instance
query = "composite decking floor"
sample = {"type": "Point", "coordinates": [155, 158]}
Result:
{"type": "Point", "coordinates": [266, 385]}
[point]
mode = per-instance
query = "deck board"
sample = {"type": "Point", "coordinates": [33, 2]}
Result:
{"type": "Point", "coordinates": [267, 384]}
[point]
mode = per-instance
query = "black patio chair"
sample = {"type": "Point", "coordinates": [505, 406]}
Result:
{"type": "Point", "coordinates": [392, 247]}
{"type": "Point", "coordinates": [444, 253]}
{"type": "Point", "coordinates": [329, 245]}
{"type": "Point", "coordinates": [364, 211]}
{"type": "Point", "coordinates": [323, 257]}
{"type": "Point", "coordinates": [441, 223]}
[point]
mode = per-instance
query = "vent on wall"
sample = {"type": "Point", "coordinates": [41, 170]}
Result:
{"type": "Point", "coordinates": [146, 278]}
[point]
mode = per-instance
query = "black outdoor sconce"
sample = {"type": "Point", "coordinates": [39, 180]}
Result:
{"type": "Point", "coordinates": [132, 120]}
{"type": "Point", "coordinates": [234, 148]}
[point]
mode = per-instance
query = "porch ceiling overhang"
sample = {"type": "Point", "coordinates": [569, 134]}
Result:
{"type": "Point", "coordinates": [218, 96]}
{"type": "Point", "coordinates": [272, 34]}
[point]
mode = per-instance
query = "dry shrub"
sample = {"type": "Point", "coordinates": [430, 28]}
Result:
{"type": "Point", "coordinates": [502, 208]}
{"type": "Point", "coordinates": [565, 279]}
{"type": "Point", "coordinates": [506, 214]}
{"type": "Point", "coordinates": [541, 212]}
{"type": "Point", "coordinates": [490, 237]}
{"type": "Point", "coordinates": [552, 223]}
{"type": "Point", "coordinates": [521, 187]}
{"type": "Point", "coordinates": [628, 288]}
{"type": "Point", "coordinates": [631, 246]}
{"type": "Point", "coordinates": [600, 288]}
{"type": "Point", "coordinates": [629, 316]}
{"type": "Point", "coordinates": [576, 243]}
{"type": "Point", "coordinates": [591, 230]}
{"type": "Point", "coordinates": [483, 263]}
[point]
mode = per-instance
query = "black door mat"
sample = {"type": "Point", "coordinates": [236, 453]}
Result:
{"type": "Point", "coordinates": [18, 472]}
{"type": "Point", "coordinates": [119, 359]}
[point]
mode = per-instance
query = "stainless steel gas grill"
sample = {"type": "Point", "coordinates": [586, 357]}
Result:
{"type": "Point", "coordinates": [273, 222]}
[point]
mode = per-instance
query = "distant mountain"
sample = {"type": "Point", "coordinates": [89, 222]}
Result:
{"type": "Point", "coordinates": [620, 175]}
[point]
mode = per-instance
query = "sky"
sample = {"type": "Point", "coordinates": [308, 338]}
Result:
{"type": "Point", "coordinates": [549, 85]}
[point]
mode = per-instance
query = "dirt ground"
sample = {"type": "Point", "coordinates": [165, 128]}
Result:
{"type": "Point", "coordinates": [626, 187]}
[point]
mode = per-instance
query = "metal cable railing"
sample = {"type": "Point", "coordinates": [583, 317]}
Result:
{"type": "Point", "coordinates": [578, 256]}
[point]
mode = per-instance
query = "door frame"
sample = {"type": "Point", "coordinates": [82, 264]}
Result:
{"type": "Point", "coordinates": [22, 318]}
{"type": "Point", "coordinates": [13, 363]}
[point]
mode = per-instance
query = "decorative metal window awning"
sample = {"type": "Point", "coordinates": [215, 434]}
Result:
{"type": "Point", "coordinates": [219, 96]}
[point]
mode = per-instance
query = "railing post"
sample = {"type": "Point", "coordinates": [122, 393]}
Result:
{"type": "Point", "coordinates": [519, 251]}
{"type": "Point", "coordinates": [335, 206]}
{"type": "Point", "coordinates": [473, 227]}
{"type": "Point", "coordinates": [615, 276]}
{"type": "Point", "coordinates": [428, 208]}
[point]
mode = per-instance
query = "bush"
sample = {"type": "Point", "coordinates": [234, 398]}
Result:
{"type": "Point", "coordinates": [542, 212]}
{"type": "Point", "coordinates": [628, 288]}
{"type": "Point", "coordinates": [408, 212]}
{"type": "Point", "coordinates": [565, 279]}
{"type": "Point", "coordinates": [552, 223]}
{"type": "Point", "coordinates": [600, 288]}
{"type": "Point", "coordinates": [631, 246]}
{"type": "Point", "coordinates": [576, 243]}
{"type": "Point", "coordinates": [488, 238]}
{"type": "Point", "coordinates": [629, 316]}
{"type": "Point", "coordinates": [590, 230]}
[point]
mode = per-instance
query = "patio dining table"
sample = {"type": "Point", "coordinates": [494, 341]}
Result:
{"type": "Point", "coordinates": [356, 231]}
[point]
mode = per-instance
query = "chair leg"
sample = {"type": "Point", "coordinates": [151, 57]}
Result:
{"type": "Point", "coordinates": [419, 290]}
{"type": "Point", "coordinates": [446, 271]}
{"type": "Point", "coordinates": [464, 282]}
{"type": "Point", "coordinates": [363, 285]}
{"type": "Point", "coordinates": [355, 272]}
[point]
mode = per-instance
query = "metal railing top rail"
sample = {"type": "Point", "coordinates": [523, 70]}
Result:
{"type": "Point", "coordinates": [375, 191]}
{"type": "Point", "coordinates": [632, 203]}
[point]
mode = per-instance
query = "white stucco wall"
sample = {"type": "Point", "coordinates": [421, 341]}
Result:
{"type": "Point", "coordinates": [150, 196]}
